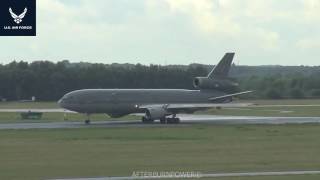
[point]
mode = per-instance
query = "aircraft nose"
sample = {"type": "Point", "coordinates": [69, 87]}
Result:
{"type": "Point", "coordinates": [61, 103]}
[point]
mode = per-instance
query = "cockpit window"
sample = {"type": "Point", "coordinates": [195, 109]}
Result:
{"type": "Point", "coordinates": [69, 98]}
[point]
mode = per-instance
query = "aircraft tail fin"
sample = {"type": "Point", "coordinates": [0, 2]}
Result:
{"type": "Point", "coordinates": [218, 77]}
{"type": "Point", "coordinates": [221, 70]}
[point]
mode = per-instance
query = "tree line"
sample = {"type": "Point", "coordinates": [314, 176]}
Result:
{"type": "Point", "coordinates": [49, 81]}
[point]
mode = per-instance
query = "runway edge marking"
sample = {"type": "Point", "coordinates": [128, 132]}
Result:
{"type": "Point", "coordinates": [207, 175]}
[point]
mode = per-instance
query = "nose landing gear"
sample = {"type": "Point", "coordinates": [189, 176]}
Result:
{"type": "Point", "coordinates": [87, 121]}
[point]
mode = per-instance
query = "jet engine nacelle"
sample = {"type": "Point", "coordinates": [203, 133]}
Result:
{"type": "Point", "coordinates": [217, 84]}
{"type": "Point", "coordinates": [156, 113]}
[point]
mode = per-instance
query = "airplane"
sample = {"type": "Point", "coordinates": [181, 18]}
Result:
{"type": "Point", "coordinates": [157, 104]}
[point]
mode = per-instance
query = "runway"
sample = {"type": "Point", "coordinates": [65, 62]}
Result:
{"type": "Point", "coordinates": [186, 120]}
{"type": "Point", "coordinates": [177, 175]}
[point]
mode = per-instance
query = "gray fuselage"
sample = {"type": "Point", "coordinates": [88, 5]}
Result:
{"type": "Point", "coordinates": [119, 102]}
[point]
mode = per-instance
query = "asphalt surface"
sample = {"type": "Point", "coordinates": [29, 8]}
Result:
{"type": "Point", "coordinates": [206, 175]}
{"type": "Point", "coordinates": [185, 121]}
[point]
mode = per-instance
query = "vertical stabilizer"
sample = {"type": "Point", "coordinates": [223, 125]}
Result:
{"type": "Point", "coordinates": [221, 70]}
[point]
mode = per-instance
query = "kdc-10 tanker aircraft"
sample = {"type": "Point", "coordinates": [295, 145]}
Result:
{"type": "Point", "coordinates": [157, 104]}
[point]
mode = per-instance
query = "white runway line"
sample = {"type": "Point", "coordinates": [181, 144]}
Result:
{"type": "Point", "coordinates": [208, 175]}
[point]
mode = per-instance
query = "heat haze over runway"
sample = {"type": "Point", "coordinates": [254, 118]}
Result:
{"type": "Point", "coordinates": [186, 120]}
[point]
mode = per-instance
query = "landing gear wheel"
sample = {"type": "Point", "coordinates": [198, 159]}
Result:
{"type": "Point", "coordinates": [146, 120]}
{"type": "Point", "coordinates": [87, 121]}
{"type": "Point", "coordinates": [173, 120]}
{"type": "Point", "coordinates": [177, 120]}
{"type": "Point", "coordinates": [163, 120]}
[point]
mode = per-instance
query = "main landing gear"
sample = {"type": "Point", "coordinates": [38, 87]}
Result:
{"type": "Point", "coordinates": [164, 120]}
{"type": "Point", "coordinates": [170, 120]}
{"type": "Point", "coordinates": [146, 120]}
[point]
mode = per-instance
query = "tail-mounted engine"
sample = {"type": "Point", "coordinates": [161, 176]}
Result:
{"type": "Point", "coordinates": [218, 78]}
{"type": "Point", "coordinates": [216, 84]}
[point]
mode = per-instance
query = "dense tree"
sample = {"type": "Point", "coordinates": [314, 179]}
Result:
{"type": "Point", "coordinates": [49, 81]}
{"type": "Point", "coordinates": [296, 93]}
{"type": "Point", "coordinates": [273, 93]}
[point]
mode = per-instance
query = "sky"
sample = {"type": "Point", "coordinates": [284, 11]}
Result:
{"type": "Point", "coordinates": [260, 32]}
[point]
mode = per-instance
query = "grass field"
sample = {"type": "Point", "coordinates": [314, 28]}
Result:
{"type": "Point", "coordinates": [298, 177]}
{"type": "Point", "coordinates": [284, 101]}
{"type": "Point", "coordinates": [28, 105]}
{"type": "Point", "coordinates": [94, 152]}
{"type": "Point", "coordinates": [303, 111]}
{"type": "Point", "coordinates": [42, 154]}
{"type": "Point", "coordinates": [9, 117]}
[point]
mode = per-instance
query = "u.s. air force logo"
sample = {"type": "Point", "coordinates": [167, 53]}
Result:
{"type": "Point", "coordinates": [18, 18]}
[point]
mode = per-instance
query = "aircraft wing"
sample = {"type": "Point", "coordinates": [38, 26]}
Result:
{"type": "Point", "coordinates": [229, 95]}
{"type": "Point", "coordinates": [190, 108]}
{"type": "Point", "coordinates": [224, 105]}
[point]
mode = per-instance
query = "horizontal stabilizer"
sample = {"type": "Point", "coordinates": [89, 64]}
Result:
{"type": "Point", "coordinates": [228, 95]}
{"type": "Point", "coordinates": [193, 106]}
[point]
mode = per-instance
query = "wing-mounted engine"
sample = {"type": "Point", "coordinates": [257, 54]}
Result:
{"type": "Point", "coordinates": [159, 113]}
{"type": "Point", "coordinates": [156, 113]}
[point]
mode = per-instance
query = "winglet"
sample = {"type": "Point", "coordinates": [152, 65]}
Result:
{"type": "Point", "coordinates": [223, 67]}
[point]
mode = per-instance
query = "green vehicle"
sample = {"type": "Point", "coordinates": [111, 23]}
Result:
{"type": "Point", "coordinates": [31, 115]}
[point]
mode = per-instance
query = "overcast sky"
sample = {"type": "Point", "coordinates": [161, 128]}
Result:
{"type": "Point", "coordinates": [261, 32]}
